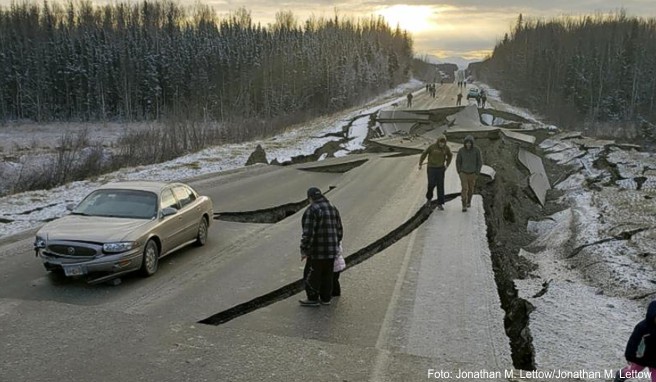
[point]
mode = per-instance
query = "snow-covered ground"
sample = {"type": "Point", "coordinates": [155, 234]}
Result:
{"type": "Point", "coordinates": [600, 276]}
{"type": "Point", "coordinates": [27, 210]}
{"type": "Point", "coordinates": [494, 101]}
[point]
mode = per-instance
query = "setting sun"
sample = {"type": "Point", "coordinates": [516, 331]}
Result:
{"type": "Point", "coordinates": [413, 18]}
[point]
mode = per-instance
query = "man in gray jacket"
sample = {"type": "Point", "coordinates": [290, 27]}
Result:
{"type": "Point", "coordinates": [469, 162]}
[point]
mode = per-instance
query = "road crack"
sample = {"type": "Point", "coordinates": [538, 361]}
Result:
{"type": "Point", "coordinates": [358, 257]}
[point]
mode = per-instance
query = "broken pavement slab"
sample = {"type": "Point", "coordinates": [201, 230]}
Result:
{"type": "Point", "coordinates": [467, 118]}
{"type": "Point", "coordinates": [483, 132]}
{"type": "Point", "coordinates": [338, 165]}
{"type": "Point", "coordinates": [538, 180]}
{"type": "Point", "coordinates": [488, 171]}
{"type": "Point", "coordinates": [401, 116]}
{"type": "Point", "coordinates": [391, 128]}
{"type": "Point", "coordinates": [408, 145]}
{"type": "Point", "coordinates": [518, 137]}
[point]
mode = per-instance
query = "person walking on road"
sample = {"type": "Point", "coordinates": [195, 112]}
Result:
{"type": "Point", "coordinates": [320, 242]}
{"type": "Point", "coordinates": [641, 349]}
{"type": "Point", "coordinates": [439, 158]}
{"type": "Point", "coordinates": [459, 99]}
{"type": "Point", "coordinates": [410, 99]}
{"type": "Point", "coordinates": [483, 98]}
{"type": "Point", "coordinates": [469, 162]}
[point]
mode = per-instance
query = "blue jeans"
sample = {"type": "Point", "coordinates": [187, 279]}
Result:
{"type": "Point", "coordinates": [435, 179]}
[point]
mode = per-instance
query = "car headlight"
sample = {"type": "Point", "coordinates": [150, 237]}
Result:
{"type": "Point", "coordinates": [39, 243]}
{"type": "Point", "coordinates": [119, 247]}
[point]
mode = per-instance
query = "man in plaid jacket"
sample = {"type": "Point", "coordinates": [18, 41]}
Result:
{"type": "Point", "coordinates": [322, 234]}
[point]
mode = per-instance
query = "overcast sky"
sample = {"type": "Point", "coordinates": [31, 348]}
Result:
{"type": "Point", "coordinates": [442, 28]}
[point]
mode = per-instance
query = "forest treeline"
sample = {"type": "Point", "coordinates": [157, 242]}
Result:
{"type": "Point", "coordinates": [152, 60]}
{"type": "Point", "coordinates": [597, 70]}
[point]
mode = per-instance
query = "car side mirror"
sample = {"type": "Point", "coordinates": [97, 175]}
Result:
{"type": "Point", "coordinates": [70, 206]}
{"type": "Point", "coordinates": [168, 211]}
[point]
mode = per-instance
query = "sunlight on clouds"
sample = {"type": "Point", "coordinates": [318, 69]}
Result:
{"type": "Point", "coordinates": [413, 18]}
{"type": "Point", "coordinates": [475, 55]}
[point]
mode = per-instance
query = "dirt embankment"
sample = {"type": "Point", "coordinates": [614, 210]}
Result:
{"type": "Point", "coordinates": [509, 205]}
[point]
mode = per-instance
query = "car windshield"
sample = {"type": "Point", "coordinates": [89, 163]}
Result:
{"type": "Point", "coordinates": [129, 204]}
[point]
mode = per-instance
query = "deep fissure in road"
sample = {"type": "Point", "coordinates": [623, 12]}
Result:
{"type": "Point", "coordinates": [266, 215]}
{"type": "Point", "coordinates": [509, 204]}
{"type": "Point", "coordinates": [356, 258]}
{"type": "Point", "coordinates": [336, 168]}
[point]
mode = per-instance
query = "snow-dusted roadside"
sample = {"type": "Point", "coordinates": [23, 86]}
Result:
{"type": "Point", "coordinates": [29, 209]}
{"type": "Point", "coordinates": [596, 266]}
{"type": "Point", "coordinates": [495, 102]}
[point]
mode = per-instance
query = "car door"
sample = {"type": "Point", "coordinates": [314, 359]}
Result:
{"type": "Point", "coordinates": [189, 212]}
{"type": "Point", "coordinates": [171, 227]}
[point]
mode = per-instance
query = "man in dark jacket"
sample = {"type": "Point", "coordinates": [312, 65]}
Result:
{"type": "Point", "coordinates": [439, 158]}
{"type": "Point", "coordinates": [641, 348]}
{"type": "Point", "coordinates": [469, 162]}
{"type": "Point", "coordinates": [322, 234]}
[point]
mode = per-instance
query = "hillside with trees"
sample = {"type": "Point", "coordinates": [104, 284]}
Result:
{"type": "Point", "coordinates": [158, 60]}
{"type": "Point", "coordinates": [599, 71]}
{"type": "Point", "coordinates": [426, 71]}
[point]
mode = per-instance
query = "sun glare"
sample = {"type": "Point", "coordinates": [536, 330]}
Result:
{"type": "Point", "coordinates": [413, 18]}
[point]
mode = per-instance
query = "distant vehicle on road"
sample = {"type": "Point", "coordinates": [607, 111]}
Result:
{"type": "Point", "coordinates": [473, 93]}
{"type": "Point", "coordinates": [124, 227]}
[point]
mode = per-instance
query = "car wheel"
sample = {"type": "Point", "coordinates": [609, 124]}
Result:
{"type": "Point", "coordinates": [201, 238]}
{"type": "Point", "coordinates": [150, 259]}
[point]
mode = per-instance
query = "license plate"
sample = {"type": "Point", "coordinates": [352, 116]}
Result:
{"type": "Point", "coordinates": [74, 270]}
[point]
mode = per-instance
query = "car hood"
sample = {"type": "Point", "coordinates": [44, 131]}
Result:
{"type": "Point", "coordinates": [93, 229]}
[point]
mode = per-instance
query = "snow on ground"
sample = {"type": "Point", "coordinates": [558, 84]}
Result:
{"type": "Point", "coordinates": [590, 308]}
{"type": "Point", "coordinates": [494, 101]}
{"type": "Point", "coordinates": [27, 210]}
{"type": "Point", "coordinates": [357, 133]}
{"type": "Point", "coordinates": [582, 329]}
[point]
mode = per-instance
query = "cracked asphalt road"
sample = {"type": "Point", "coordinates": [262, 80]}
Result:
{"type": "Point", "coordinates": [427, 302]}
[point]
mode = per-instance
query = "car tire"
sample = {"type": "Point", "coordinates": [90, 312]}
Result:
{"type": "Point", "coordinates": [150, 259]}
{"type": "Point", "coordinates": [201, 237]}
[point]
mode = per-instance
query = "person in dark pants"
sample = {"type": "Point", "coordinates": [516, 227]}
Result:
{"type": "Point", "coordinates": [338, 268]}
{"type": "Point", "coordinates": [459, 99]}
{"type": "Point", "coordinates": [469, 162]}
{"type": "Point", "coordinates": [641, 349]}
{"type": "Point", "coordinates": [322, 234]}
{"type": "Point", "coordinates": [439, 158]}
{"type": "Point", "coordinates": [483, 98]}
{"type": "Point", "coordinates": [410, 99]}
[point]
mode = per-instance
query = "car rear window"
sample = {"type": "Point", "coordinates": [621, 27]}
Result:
{"type": "Point", "coordinates": [184, 195]}
{"type": "Point", "coordinates": [168, 200]}
{"type": "Point", "coordinates": [131, 204]}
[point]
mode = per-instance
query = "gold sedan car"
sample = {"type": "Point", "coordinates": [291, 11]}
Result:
{"type": "Point", "coordinates": [123, 227]}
